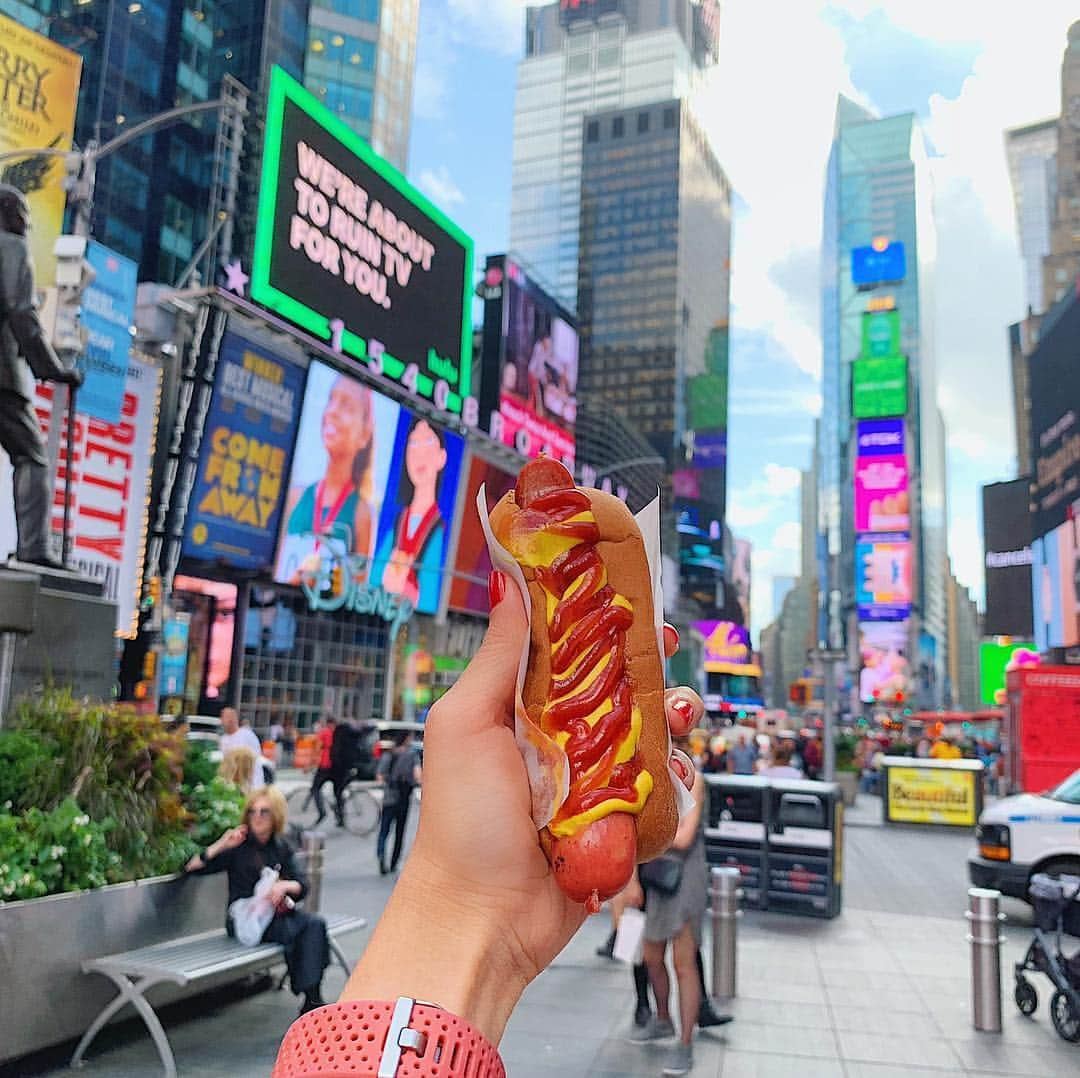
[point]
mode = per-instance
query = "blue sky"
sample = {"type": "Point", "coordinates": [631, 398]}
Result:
{"type": "Point", "coordinates": [966, 69]}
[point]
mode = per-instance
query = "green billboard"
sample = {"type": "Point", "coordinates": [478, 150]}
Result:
{"type": "Point", "coordinates": [994, 660]}
{"type": "Point", "coordinates": [879, 387]}
{"type": "Point", "coordinates": [880, 334]}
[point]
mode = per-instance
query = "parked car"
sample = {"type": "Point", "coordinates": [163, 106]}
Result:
{"type": "Point", "coordinates": [1019, 836]}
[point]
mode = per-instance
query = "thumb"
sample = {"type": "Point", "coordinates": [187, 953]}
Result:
{"type": "Point", "coordinates": [484, 694]}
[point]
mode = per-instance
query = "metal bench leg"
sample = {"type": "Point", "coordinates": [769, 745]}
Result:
{"type": "Point", "coordinates": [130, 992]}
{"type": "Point", "coordinates": [337, 952]}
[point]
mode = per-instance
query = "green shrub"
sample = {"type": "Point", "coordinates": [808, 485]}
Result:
{"type": "Point", "coordinates": [199, 765]}
{"type": "Point", "coordinates": [216, 806]}
{"type": "Point", "coordinates": [26, 763]}
{"type": "Point", "coordinates": [844, 745]}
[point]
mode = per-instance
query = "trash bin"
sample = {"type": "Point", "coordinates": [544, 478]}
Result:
{"type": "Point", "coordinates": [736, 830]}
{"type": "Point", "coordinates": [805, 847]}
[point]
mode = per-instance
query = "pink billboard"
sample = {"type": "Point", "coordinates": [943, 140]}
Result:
{"type": "Point", "coordinates": [881, 478]}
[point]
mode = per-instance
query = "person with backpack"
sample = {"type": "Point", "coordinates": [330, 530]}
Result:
{"type": "Point", "coordinates": [398, 773]}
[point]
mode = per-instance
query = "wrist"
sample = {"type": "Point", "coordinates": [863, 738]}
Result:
{"type": "Point", "coordinates": [430, 945]}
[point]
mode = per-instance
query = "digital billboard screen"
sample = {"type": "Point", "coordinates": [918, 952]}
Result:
{"type": "Point", "coordinates": [880, 334]}
{"type": "Point", "coordinates": [726, 644]}
{"type": "Point", "coordinates": [995, 661]}
{"type": "Point", "coordinates": [885, 674]}
{"type": "Point", "coordinates": [372, 480]}
{"type": "Point", "coordinates": [530, 364]}
{"type": "Point", "coordinates": [883, 578]}
{"type": "Point", "coordinates": [1055, 587]}
{"type": "Point", "coordinates": [878, 263]}
{"type": "Point", "coordinates": [881, 477]}
{"type": "Point", "coordinates": [879, 387]}
{"type": "Point", "coordinates": [234, 511]}
{"type": "Point", "coordinates": [701, 547]}
{"type": "Point", "coordinates": [1054, 382]}
{"type": "Point", "coordinates": [346, 248]}
{"type": "Point", "coordinates": [472, 563]}
{"type": "Point", "coordinates": [1007, 545]}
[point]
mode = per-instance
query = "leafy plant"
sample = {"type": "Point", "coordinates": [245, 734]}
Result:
{"type": "Point", "coordinates": [199, 765]}
{"type": "Point", "coordinates": [216, 806]}
{"type": "Point", "coordinates": [844, 745]}
{"type": "Point", "coordinates": [25, 765]}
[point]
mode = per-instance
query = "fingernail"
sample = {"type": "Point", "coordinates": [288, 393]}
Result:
{"type": "Point", "coordinates": [683, 708]}
{"type": "Point", "coordinates": [496, 588]}
{"type": "Point", "coordinates": [678, 764]}
{"type": "Point", "coordinates": [671, 631]}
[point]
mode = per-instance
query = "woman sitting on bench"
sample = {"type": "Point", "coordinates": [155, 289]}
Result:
{"type": "Point", "coordinates": [243, 852]}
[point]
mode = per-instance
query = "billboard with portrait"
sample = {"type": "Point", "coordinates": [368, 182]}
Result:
{"type": "Point", "coordinates": [348, 249]}
{"type": "Point", "coordinates": [530, 363]}
{"type": "Point", "coordinates": [885, 672]}
{"type": "Point", "coordinates": [1007, 545]}
{"type": "Point", "coordinates": [371, 481]}
{"type": "Point", "coordinates": [234, 511]}
{"type": "Point", "coordinates": [879, 387]}
{"type": "Point", "coordinates": [883, 577]}
{"type": "Point", "coordinates": [472, 564]}
{"type": "Point", "coordinates": [37, 109]}
{"type": "Point", "coordinates": [877, 263]}
{"type": "Point", "coordinates": [881, 477]}
{"type": "Point", "coordinates": [1055, 587]}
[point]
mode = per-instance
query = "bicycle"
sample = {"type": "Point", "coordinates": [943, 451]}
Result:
{"type": "Point", "coordinates": [361, 806]}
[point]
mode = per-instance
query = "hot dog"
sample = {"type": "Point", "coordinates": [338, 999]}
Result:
{"type": "Point", "coordinates": [595, 681]}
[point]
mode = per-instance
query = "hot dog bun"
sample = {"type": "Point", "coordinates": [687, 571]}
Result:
{"type": "Point", "coordinates": [621, 550]}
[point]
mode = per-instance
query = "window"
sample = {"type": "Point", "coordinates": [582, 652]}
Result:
{"type": "Point", "coordinates": [669, 119]}
{"type": "Point", "coordinates": [592, 131]}
{"type": "Point", "coordinates": [642, 122]}
{"type": "Point", "coordinates": [618, 127]}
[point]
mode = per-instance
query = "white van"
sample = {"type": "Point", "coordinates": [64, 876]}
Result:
{"type": "Point", "coordinates": [1028, 833]}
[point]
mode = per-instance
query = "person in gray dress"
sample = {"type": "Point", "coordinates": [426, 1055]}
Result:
{"type": "Point", "coordinates": [25, 354]}
{"type": "Point", "coordinates": [676, 918]}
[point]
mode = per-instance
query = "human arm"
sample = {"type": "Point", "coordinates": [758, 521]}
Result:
{"type": "Point", "coordinates": [428, 571]}
{"type": "Point", "coordinates": [292, 879]}
{"type": "Point", "coordinates": [477, 888]}
{"type": "Point", "coordinates": [218, 855]}
{"type": "Point", "coordinates": [689, 824]}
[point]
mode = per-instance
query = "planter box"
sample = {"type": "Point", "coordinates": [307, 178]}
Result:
{"type": "Point", "coordinates": [43, 941]}
{"type": "Point", "coordinates": [848, 781]}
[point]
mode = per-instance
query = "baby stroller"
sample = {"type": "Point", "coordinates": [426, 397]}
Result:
{"type": "Point", "coordinates": [1057, 911]}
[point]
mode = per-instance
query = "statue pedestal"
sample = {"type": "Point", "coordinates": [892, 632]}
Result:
{"type": "Point", "coordinates": [54, 626]}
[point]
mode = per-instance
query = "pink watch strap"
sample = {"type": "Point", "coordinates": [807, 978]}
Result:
{"type": "Point", "coordinates": [384, 1039]}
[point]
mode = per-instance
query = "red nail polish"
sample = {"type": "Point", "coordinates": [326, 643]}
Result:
{"type": "Point", "coordinates": [670, 630]}
{"type": "Point", "coordinates": [684, 709]}
{"type": "Point", "coordinates": [496, 588]}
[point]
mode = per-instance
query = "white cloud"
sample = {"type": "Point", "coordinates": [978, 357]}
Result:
{"type": "Point", "coordinates": [969, 442]}
{"type": "Point", "coordinates": [782, 480]}
{"type": "Point", "coordinates": [496, 25]}
{"type": "Point", "coordinates": [788, 536]}
{"type": "Point", "coordinates": [440, 187]}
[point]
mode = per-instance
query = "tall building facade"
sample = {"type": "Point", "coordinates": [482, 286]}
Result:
{"type": "Point", "coordinates": [153, 200]}
{"type": "Point", "coordinates": [881, 477]}
{"type": "Point", "coordinates": [580, 58]}
{"type": "Point", "coordinates": [655, 210]}
{"type": "Point", "coordinates": [1032, 155]}
{"type": "Point", "coordinates": [1062, 265]}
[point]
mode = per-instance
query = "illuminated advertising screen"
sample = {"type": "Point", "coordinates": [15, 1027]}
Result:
{"type": "Point", "coordinates": [995, 661]}
{"type": "Point", "coordinates": [879, 387]}
{"type": "Point", "coordinates": [346, 248]}
{"type": "Point", "coordinates": [879, 263]}
{"type": "Point", "coordinates": [234, 511]}
{"type": "Point", "coordinates": [530, 364]}
{"type": "Point", "coordinates": [1054, 369]}
{"type": "Point", "coordinates": [472, 564]}
{"type": "Point", "coordinates": [701, 548]}
{"type": "Point", "coordinates": [885, 673]}
{"type": "Point", "coordinates": [726, 644]}
{"type": "Point", "coordinates": [881, 477]}
{"type": "Point", "coordinates": [1055, 587]}
{"type": "Point", "coordinates": [373, 483]}
{"type": "Point", "coordinates": [37, 109]}
{"type": "Point", "coordinates": [1007, 545]}
{"type": "Point", "coordinates": [880, 334]}
{"type": "Point", "coordinates": [883, 578]}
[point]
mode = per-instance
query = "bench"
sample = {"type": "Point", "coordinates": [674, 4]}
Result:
{"type": "Point", "coordinates": [183, 962]}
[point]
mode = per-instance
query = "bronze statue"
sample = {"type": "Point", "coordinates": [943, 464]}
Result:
{"type": "Point", "coordinates": [25, 354]}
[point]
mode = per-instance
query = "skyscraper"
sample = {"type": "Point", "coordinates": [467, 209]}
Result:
{"type": "Point", "coordinates": [882, 462]}
{"type": "Point", "coordinates": [589, 57]}
{"type": "Point", "coordinates": [1062, 264]}
{"type": "Point", "coordinates": [1032, 154]}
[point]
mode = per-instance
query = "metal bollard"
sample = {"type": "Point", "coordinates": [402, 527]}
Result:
{"type": "Point", "coordinates": [313, 860]}
{"type": "Point", "coordinates": [984, 916]}
{"type": "Point", "coordinates": [724, 895]}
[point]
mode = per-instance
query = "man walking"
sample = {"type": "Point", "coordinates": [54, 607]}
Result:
{"type": "Point", "coordinates": [25, 354]}
{"type": "Point", "coordinates": [398, 774]}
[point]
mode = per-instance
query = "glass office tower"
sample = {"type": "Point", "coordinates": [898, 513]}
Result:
{"type": "Point", "coordinates": [882, 563]}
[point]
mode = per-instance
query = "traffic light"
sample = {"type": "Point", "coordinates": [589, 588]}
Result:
{"type": "Point", "coordinates": [74, 275]}
{"type": "Point", "coordinates": [152, 598]}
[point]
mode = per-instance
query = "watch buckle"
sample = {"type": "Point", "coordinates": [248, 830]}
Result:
{"type": "Point", "coordinates": [400, 1037]}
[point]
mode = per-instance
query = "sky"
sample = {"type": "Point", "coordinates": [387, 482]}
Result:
{"type": "Point", "coordinates": [968, 70]}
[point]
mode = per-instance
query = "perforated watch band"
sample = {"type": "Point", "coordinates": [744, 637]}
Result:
{"type": "Point", "coordinates": [380, 1039]}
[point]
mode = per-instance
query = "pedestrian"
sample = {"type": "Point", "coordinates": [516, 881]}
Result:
{"type": "Point", "coordinates": [288, 741]}
{"type": "Point", "coordinates": [742, 755]}
{"type": "Point", "coordinates": [236, 736]}
{"type": "Point", "coordinates": [326, 772]}
{"type": "Point", "coordinates": [781, 766]}
{"type": "Point", "coordinates": [243, 769]}
{"type": "Point", "coordinates": [398, 774]}
{"type": "Point", "coordinates": [243, 852]}
{"type": "Point", "coordinates": [812, 757]}
{"type": "Point", "coordinates": [674, 892]}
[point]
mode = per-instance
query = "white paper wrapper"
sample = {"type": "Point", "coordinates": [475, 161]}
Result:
{"type": "Point", "coordinates": [546, 764]}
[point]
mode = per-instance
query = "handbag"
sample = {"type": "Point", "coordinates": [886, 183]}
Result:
{"type": "Point", "coordinates": [663, 875]}
{"type": "Point", "coordinates": [251, 916]}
